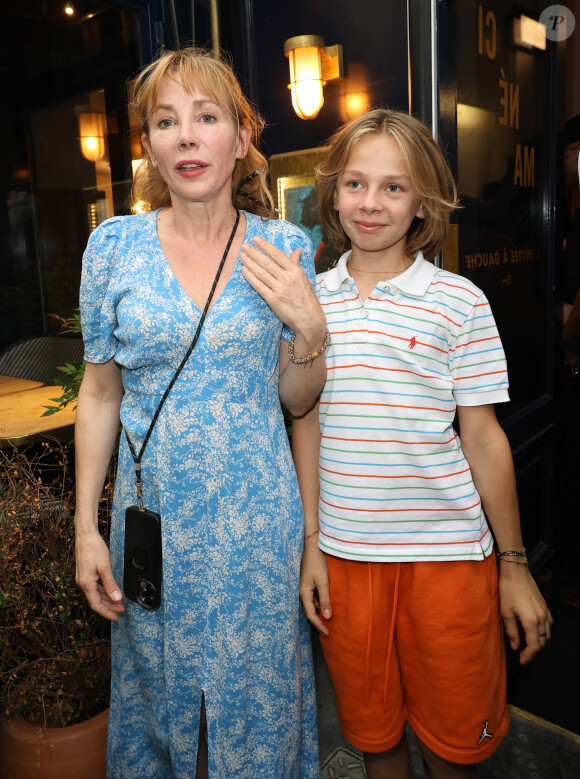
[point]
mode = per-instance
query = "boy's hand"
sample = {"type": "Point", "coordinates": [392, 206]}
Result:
{"type": "Point", "coordinates": [314, 592]}
{"type": "Point", "coordinates": [521, 601]}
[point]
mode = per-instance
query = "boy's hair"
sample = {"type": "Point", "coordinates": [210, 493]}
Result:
{"type": "Point", "coordinates": [198, 68]}
{"type": "Point", "coordinates": [428, 170]}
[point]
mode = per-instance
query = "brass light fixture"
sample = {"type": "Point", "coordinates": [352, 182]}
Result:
{"type": "Point", "coordinates": [312, 64]}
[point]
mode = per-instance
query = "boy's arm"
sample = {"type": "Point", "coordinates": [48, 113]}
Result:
{"type": "Point", "coordinates": [487, 451]}
{"type": "Point", "coordinates": [314, 572]}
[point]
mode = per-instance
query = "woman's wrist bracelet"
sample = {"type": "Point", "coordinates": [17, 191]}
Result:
{"type": "Point", "coordinates": [309, 357]}
{"type": "Point", "coordinates": [314, 532]}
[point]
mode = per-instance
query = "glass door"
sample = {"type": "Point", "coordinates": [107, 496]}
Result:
{"type": "Point", "coordinates": [65, 148]}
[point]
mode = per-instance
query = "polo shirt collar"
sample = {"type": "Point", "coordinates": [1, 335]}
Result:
{"type": "Point", "coordinates": [335, 277]}
{"type": "Point", "coordinates": [414, 281]}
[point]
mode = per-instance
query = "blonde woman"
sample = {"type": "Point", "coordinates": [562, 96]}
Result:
{"type": "Point", "coordinates": [218, 679]}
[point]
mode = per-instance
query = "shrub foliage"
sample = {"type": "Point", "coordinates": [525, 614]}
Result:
{"type": "Point", "coordinates": [54, 651]}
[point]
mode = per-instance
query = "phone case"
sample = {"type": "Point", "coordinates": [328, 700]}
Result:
{"type": "Point", "coordinates": [143, 557]}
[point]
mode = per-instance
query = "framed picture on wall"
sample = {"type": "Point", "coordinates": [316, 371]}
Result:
{"type": "Point", "coordinates": [293, 187]}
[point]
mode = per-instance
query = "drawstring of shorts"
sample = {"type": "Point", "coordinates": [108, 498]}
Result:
{"type": "Point", "coordinates": [391, 633]}
{"type": "Point", "coordinates": [369, 636]}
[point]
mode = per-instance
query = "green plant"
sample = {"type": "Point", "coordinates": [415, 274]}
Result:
{"type": "Point", "coordinates": [54, 651]}
{"type": "Point", "coordinates": [72, 372]}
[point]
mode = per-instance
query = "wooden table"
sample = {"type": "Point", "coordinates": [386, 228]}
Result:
{"type": "Point", "coordinates": [9, 384]}
{"type": "Point", "coordinates": [21, 407]}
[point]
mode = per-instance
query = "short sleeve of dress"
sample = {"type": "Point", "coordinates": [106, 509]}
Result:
{"type": "Point", "coordinates": [300, 240]}
{"type": "Point", "coordinates": [98, 317]}
{"type": "Point", "coordinates": [477, 360]}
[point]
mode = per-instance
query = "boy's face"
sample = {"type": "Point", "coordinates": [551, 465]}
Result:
{"type": "Point", "coordinates": [375, 198]}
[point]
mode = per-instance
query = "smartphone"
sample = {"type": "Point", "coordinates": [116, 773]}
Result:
{"type": "Point", "coordinates": [143, 557]}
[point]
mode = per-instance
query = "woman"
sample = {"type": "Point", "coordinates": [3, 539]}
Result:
{"type": "Point", "coordinates": [227, 652]}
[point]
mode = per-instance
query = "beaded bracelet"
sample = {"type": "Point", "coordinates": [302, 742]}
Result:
{"type": "Point", "coordinates": [309, 357]}
{"type": "Point", "coordinates": [311, 534]}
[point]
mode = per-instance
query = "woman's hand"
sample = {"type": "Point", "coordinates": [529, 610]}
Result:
{"type": "Point", "coordinates": [521, 601]}
{"type": "Point", "coordinates": [94, 576]}
{"type": "Point", "coordinates": [314, 592]}
{"type": "Point", "coordinates": [282, 283]}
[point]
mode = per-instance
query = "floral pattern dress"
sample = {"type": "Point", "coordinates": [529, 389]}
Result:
{"type": "Point", "coordinates": [218, 470]}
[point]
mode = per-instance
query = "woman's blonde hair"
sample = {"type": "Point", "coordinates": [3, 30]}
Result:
{"type": "Point", "coordinates": [197, 68]}
{"type": "Point", "coordinates": [427, 167]}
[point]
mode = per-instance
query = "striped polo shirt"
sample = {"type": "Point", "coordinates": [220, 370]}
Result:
{"type": "Point", "coordinates": [394, 483]}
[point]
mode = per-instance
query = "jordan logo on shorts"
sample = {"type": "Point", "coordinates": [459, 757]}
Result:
{"type": "Point", "coordinates": [484, 733]}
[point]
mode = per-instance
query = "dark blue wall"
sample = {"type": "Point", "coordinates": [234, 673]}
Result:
{"type": "Point", "coordinates": [374, 40]}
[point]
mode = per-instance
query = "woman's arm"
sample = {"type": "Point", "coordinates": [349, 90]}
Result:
{"type": "Point", "coordinates": [300, 385]}
{"type": "Point", "coordinates": [282, 283]}
{"type": "Point", "coordinates": [314, 572]}
{"type": "Point", "coordinates": [487, 451]}
{"type": "Point", "coordinates": [96, 429]}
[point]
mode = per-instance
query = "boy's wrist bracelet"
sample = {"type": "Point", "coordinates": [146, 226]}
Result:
{"type": "Point", "coordinates": [519, 562]}
{"type": "Point", "coordinates": [309, 357]}
{"type": "Point", "coordinates": [314, 532]}
{"type": "Point", "coordinates": [512, 553]}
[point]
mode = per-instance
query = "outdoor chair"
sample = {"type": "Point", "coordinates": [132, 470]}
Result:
{"type": "Point", "coordinates": [38, 358]}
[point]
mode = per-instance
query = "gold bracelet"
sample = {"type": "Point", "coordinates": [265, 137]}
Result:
{"type": "Point", "coordinates": [309, 357]}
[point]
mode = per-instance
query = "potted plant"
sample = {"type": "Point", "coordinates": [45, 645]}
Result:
{"type": "Point", "coordinates": [54, 651]}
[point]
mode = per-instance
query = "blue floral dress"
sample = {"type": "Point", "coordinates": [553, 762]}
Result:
{"type": "Point", "coordinates": [219, 472]}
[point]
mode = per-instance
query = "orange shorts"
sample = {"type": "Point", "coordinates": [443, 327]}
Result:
{"type": "Point", "coordinates": [423, 643]}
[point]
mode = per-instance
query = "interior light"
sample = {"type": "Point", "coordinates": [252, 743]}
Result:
{"type": "Point", "coordinates": [529, 33]}
{"type": "Point", "coordinates": [140, 207]}
{"type": "Point", "coordinates": [92, 136]}
{"type": "Point", "coordinates": [357, 103]}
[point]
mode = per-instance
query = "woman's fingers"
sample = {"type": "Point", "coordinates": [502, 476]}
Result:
{"type": "Point", "coordinates": [268, 250]}
{"type": "Point", "coordinates": [282, 283]}
{"type": "Point", "coordinates": [272, 268]}
{"type": "Point", "coordinates": [106, 607]}
{"type": "Point", "coordinates": [94, 575]}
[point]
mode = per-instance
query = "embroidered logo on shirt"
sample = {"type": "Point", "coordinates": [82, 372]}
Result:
{"type": "Point", "coordinates": [412, 343]}
{"type": "Point", "coordinates": [484, 733]}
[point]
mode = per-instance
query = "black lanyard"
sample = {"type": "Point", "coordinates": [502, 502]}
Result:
{"type": "Point", "coordinates": [137, 457]}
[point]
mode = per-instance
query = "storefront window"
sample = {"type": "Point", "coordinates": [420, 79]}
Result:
{"type": "Point", "coordinates": [65, 149]}
{"type": "Point", "coordinates": [502, 132]}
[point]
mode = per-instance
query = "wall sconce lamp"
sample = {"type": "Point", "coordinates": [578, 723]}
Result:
{"type": "Point", "coordinates": [312, 64]}
{"type": "Point", "coordinates": [92, 135]}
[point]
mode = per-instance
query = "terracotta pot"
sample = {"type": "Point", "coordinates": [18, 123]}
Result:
{"type": "Point", "coordinates": [32, 752]}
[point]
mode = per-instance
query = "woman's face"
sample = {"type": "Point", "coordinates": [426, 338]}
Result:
{"type": "Point", "coordinates": [194, 143]}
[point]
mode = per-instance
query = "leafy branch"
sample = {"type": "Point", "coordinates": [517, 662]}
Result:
{"type": "Point", "coordinates": [72, 372]}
